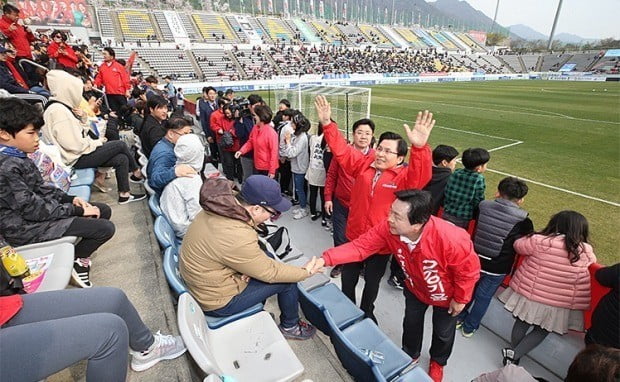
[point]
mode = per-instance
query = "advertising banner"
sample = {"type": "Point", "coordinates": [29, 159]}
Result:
{"type": "Point", "coordinates": [55, 12]}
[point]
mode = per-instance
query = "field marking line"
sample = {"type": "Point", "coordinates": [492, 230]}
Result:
{"type": "Point", "coordinates": [507, 111]}
{"type": "Point", "coordinates": [557, 188]}
{"type": "Point", "coordinates": [505, 146]}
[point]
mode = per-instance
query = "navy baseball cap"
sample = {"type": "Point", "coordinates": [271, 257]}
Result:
{"type": "Point", "coordinates": [261, 190]}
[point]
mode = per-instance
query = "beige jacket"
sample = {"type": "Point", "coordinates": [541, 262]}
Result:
{"type": "Point", "coordinates": [62, 128]}
{"type": "Point", "coordinates": [221, 245]}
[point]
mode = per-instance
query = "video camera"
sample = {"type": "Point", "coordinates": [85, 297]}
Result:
{"type": "Point", "coordinates": [242, 105]}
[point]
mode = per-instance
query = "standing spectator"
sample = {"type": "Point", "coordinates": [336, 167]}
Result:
{"type": "Point", "coordinates": [60, 51]}
{"type": "Point", "coordinates": [377, 177]}
{"type": "Point", "coordinates": [19, 35]}
{"type": "Point", "coordinates": [284, 128]}
{"type": "Point", "coordinates": [180, 100]}
{"type": "Point", "coordinates": [500, 223]}
{"type": "Point", "coordinates": [222, 124]}
{"type": "Point", "coordinates": [444, 164]}
{"type": "Point", "coordinates": [229, 95]}
{"type": "Point", "coordinates": [205, 106]}
{"type": "Point", "coordinates": [338, 185]}
{"type": "Point", "coordinates": [171, 92]}
{"type": "Point", "coordinates": [605, 318]}
{"type": "Point", "coordinates": [440, 266]}
{"type": "Point", "coordinates": [283, 105]}
{"type": "Point", "coordinates": [263, 141]}
{"type": "Point", "coordinates": [315, 177]}
{"type": "Point", "coordinates": [465, 188]}
{"type": "Point", "coordinates": [244, 123]}
{"type": "Point", "coordinates": [296, 149]}
{"type": "Point", "coordinates": [115, 79]}
{"type": "Point", "coordinates": [551, 288]}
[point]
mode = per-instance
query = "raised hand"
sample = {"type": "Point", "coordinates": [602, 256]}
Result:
{"type": "Point", "coordinates": [424, 123]}
{"type": "Point", "coordinates": [323, 109]}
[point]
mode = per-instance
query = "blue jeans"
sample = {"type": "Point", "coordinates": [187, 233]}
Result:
{"type": "Point", "coordinates": [258, 291]}
{"type": "Point", "coordinates": [40, 91]}
{"type": "Point", "coordinates": [485, 289]}
{"type": "Point", "coordinates": [300, 189]}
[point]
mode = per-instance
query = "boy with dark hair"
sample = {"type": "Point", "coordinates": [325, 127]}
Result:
{"type": "Point", "coordinates": [501, 221]}
{"type": "Point", "coordinates": [465, 188]}
{"type": "Point", "coordinates": [32, 211]}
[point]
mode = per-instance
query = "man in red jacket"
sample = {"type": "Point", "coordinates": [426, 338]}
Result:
{"type": "Point", "coordinates": [377, 176]}
{"type": "Point", "coordinates": [113, 76]}
{"type": "Point", "coordinates": [20, 36]}
{"type": "Point", "coordinates": [440, 265]}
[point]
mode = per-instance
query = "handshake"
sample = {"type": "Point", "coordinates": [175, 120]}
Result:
{"type": "Point", "coordinates": [315, 265]}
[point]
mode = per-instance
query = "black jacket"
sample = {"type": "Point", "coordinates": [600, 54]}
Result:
{"type": "Point", "coordinates": [151, 132]}
{"type": "Point", "coordinates": [7, 81]}
{"type": "Point", "coordinates": [605, 328]}
{"type": "Point", "coordinates": [437, 185]}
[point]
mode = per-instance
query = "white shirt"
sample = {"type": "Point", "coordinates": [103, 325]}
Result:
{"type": "Point", "coordinates": [410, 244]}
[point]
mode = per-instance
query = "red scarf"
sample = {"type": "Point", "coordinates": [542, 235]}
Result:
{"type": "Point", "coordinates": [17, 75]}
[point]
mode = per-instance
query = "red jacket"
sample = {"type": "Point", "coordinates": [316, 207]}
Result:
{"type": "Point", "coordinates": [114, 77]}
{"type": "Point", "coordinates": [372, 206]}
{"type": "Point", "coordinates": [68, 59]}
{"type": "Point", "coordinates": [443, 265]}
{"type": "Point", "coordinates": [338, 183]}
{"type": "Point", "coordinates": [219, 121]}
{"type": "Point", "coordinates": [20, 38]}
{"type": "Point", "coordinates": [264, 141]}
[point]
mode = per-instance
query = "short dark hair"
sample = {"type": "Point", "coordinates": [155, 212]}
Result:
{"type": "Point", "coordinates": [176, 123]}
{"type": "Point", "coordinates": [254, 99]}
{"type": "Point", "coordinates": [364, 121]}
{"type": "Point", "coordinates": [595, 363]}
{"type": "Point", "coordinates": [420, 205]}
{"type": "Point", "coordinates": [9, 8]}
{"type": "Point", "coordinates": [229, 91]}
{"type": "Point", "coordinates": [221, 102]}
{"type": "Point", "coordinates": [444, 152]}
{"type": "Point", "coordinates": [475, 157]}
{"type": "Point", "coordinates": [512, 188]}
{"type": "Point", "coordinates": [17, 114]}
{"type": "Point", "coordinates": [264, 113]}
{"type": "Point", "coordinates": [151, 79]}
{"type": "Point", "coordinates": [156, 101]}
{"type": "Point", "coordinates": [402, 145]}
{"type": "Point", "coordinates": [290, 112]}
{"type": "Point", "coordinates": [207, 89]}
{"type": "Point", "coordinates": [110, 51]}
{"type": "Point", "coordinates": [285, 102]}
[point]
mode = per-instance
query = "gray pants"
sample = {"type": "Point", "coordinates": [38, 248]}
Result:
{"type": "Point", "coordinates": [54, 330]}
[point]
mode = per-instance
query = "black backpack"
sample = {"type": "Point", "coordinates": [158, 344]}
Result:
{"type": "Point", "coordinates": [275, 239]}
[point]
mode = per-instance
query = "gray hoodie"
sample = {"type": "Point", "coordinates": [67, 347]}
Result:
{"type": "Point", "coordinates": [180, 200]}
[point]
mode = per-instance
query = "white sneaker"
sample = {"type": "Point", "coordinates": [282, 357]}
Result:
{"type": "Point", "coordinates": [300, 213]}
{"type": "Point", "coordinates": [164, 347]}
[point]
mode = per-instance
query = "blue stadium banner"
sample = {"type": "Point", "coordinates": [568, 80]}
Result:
{"type": "Point", "coordinates": [613, 53]}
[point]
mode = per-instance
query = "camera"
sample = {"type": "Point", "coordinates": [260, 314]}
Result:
{"type": "Point", "coordinates": [242, 105]}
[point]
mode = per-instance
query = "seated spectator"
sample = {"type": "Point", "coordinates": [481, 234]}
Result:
{"type": "Point", "coordinates": [222, 263]}
{"type": "Point", "coordinates": [180, 199]}
{"type": "Point", "coordinates": [62, 52]}
{"type": "Point", "coordinates": [162, 168]}
{"type": "Point", "coordinates": [152, 129]}
{"type": "Point", "coordinates": [7, 79]}
{"type": "Point", "coordinates": [96, 325]}
{"type": "Point", "coordinates": [65, 128]}
{"type": "Point", "coordinates": [32, 211]}
{"type": "Point", "coordinates": [500, 223]}
{"type": "Point", "coordinates": [605, 318]}
{"type": "Point", "coordinates": [465, 188]}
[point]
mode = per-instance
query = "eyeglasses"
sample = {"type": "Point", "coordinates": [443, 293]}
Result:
{"type": "Point", "coordinates": [381, 149]}
{"type": "Point", "coordinates": [272, 213]}
{"type": "Point", "coordinates": [181, 134]}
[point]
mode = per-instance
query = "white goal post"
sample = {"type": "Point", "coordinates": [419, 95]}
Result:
{"type": "Point", "coordinates": [349, 104]}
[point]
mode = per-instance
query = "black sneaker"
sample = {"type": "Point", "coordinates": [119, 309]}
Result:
{"type": "Point", "coordinates": [316, 216]}
{"type": "Point", "coordinates": [295, 202]}
{"type": "Point", "coordinates": [336, 271]}
{"type": "Point", "coordinates": [395, 282]}
{"type": "Point", "coordinates": [135, 179]}
{"type": "Point", "coordinates": [131, 198]}
{"type": "Point", "coordinates": [301, 331]}
{"type": "Point", "coordinates": [81, 273]}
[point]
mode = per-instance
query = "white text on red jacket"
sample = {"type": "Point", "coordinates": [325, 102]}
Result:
{"type": "Point", "coordinates": [433, 281]}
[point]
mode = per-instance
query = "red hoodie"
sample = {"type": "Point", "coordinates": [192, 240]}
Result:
{"type": "Point", "coordinates": [441, 267]}
{"type": "Point", "coordinates": [114, 77]}
{"type": "Point", "coordinates": [372, 205]}
{"type": "Point", "coordinates": [68, 59]}
{"type": "Point", "coordinates": [264, 141]}
{"type": "Point", "coordinates": [20, 38]}
{"type": "Point", "coordinates": [338, 183]}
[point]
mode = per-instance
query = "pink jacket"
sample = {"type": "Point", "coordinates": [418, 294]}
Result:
{"type": "Point", "coordinates": [547, 276]}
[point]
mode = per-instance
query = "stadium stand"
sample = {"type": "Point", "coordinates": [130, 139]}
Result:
{"type": "Point", "coordinates": [531, 62]}
{"type": "Point", "coordinates": [553, 62]}
{"type": "Point", "coordinates": [513, 62]}
{"type": "Point", "coordinates": [105, 23]}
{"type": "Point", "coordinates": [276, 28]}
{"type": "Point", "coordinates": [411, 38]}
{"type": "Point", "coordinates": [255, 64]}
{"type": "Point", "coordinates": [470, 42]}
{"type": "Point", "coordinates": [189, 26]}
{"type": "Point", "coordinates": [162, 24]}
{"type": "Point", "coordinates": [328, 32]}
{"type": "Point", "coordinates": [449, 45]}
{"type": "Point", "coordinates": [168, 62]}
{"type": "Point", "coordinates": [354, 35]}
{"type": "Point", "coordinates": [583, 61]}
{"type": "Point", "coordinates": [236, 28]}
{"type": "Point", "coordinates": [216, 64]}
{"type": "Point", "coordinates": [607, 65]}
{"type": "Point", "coordinates": [373, 34]}
{"type": "Point", "coordinates": [426, 37]}
{"type": "Point", "coordinates": [261, 32]}
{"type": "Point", "coordinates": [135, 25]}
{"type": "Point", "coordinates": [452, 37]}
{"type": "Point", "coordinates": [215, 28]}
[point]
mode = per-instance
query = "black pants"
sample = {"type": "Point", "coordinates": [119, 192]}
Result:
{"type": "Point", "coordinates": [285, 176]}
{"type": "Point", "coordinates": [459, 222]}
{"type": "Point", "coordinates": [396, 270]}
{"type": "Point", "coordinates": [413, 330]}
{"type": "Point", "coordinates": [215, 153]}
{"type": "Point", "coordinates": [231, 165]}
{"type": "Point", "coordinates": [116, 101]}
{"type": "Point", "coordinates": [374, 268]}
{"type": "Point", "coordinates": [314, 192]}
{"type": "Point", "coordinates": [112, 154]}
{"type": "Point", "coordinates": [94, 232]}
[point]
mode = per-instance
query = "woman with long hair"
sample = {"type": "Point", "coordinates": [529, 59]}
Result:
{"type": "Point", "coordinates": [551, 288]}
{"type": "Point", "coordinates": [296, 149]}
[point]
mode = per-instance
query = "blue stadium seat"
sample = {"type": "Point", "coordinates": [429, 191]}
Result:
{"type": "Point", "coordinates": [353, 343]}
{"type": "Point", "coordinates": [171, 271]}
{"type": "Point", "coordinates": [80, 191]}
{"type": "Point", "coordinates": [154, 205]}
{"type": "Point", "coordinates": [330, 298]}
{"type": "Point", "coordinates": [83, 177]}
{"type": "Point", "coordinates": [165, 233]}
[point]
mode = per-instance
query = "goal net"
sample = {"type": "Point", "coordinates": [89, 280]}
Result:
{"type": "Point", "coordinates": [348, 103]}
